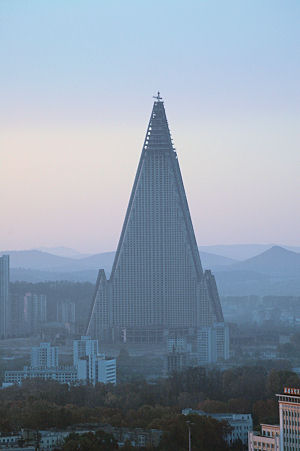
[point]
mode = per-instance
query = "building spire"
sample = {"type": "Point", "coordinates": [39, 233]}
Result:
{"type": "Point", "coordinates": [158, 97]}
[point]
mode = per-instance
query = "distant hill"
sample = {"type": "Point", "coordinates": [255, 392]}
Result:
{"type": "Point", "coordinates": [104, 260]}
{"type": "Point", "coordinates": [276, 262]}
{"type": "Point", "coordinates": [213, 261]}
{"type": "Point", "coordinates": [43, 261]}
{"type": "Point", "coordinates": [242, 251]}
{"type": "Point", "coordinates": [275, 271]}
{"type": "Point", "coordinates": [63, 252]}
{"type": "Point", "coordinates": [245, 283]}
{"type": "Point", "coordinates": [35, 276]}
{"type": "Point", "coordinates": [34, 259]}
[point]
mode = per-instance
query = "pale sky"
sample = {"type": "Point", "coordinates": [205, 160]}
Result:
{"type": "Point", "coordinates": [77, 79]}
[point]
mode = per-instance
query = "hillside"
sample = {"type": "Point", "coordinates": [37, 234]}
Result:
{"type": "Point", "coordinates": [43, 261]}
{"type": "Point", "coordinates": [276, 262]}
{"type": "Point", "coordinates": [34, 259]}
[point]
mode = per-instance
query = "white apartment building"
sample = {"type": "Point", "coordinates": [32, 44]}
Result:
{"type": "Point", "coordinates": [84, 347]}
{"type": "Point", "coordinates": [91, 365]}
{"type": "Point", "coordinates": [213, 343]}
{"type": "Point", "coordinates": [44, 356]}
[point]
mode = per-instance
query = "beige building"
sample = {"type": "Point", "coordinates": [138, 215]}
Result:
{"type": "Point", "coordinates": [268, 439]}
{"type": "Point", "coordinates": [286, 435]}
{"type": "Point", "coordinates": [289, 417]}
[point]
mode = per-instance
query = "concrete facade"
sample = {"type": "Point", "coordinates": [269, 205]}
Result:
{"type": "Point", "coordinates": [157, 281]}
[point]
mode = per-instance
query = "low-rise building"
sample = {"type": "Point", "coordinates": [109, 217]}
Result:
{"type": "Point", "coordinates": [267, 439]}
{"type": "Point", "coordinates": [64, 375]}
{"type": "Point", "coordinates": [50, 440]}
{"type": "Point", "coordinates": [138, 437]}
{"type": "Point", "coordinates": [9, 440]}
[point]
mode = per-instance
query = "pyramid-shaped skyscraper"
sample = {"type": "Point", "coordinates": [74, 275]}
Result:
{"type": "Point", "coordinates": [157, 282]}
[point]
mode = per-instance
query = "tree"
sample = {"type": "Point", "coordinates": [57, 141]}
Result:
{"type": "Point", "coordinates": [90, 441]}
{"type": "Point", "coordinates": [277, 380]}
{"type": "Point", "coordinates": [207, 434]}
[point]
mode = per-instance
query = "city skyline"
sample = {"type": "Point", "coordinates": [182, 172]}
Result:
{"type": "Point", "coordinates": [71, 127]}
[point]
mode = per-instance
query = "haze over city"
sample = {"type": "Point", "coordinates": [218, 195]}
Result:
{"type": "Point", "coordinates": [149, 225]}
{"type": "Point", "coordinates": [77, 82]}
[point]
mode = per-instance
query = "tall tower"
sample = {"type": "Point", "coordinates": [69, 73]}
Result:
{"type": "Point", "coordinates": [4, 296]}
{"type": "Point", "coordinates": [157, 281]}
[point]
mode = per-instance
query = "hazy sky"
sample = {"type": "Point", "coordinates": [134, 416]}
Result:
{"type": "Point", "coordinates": [76, 80]}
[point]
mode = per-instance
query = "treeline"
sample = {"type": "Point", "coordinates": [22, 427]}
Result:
{"type": "Point", "coordinates": [41, 405]}
{"type": "Point", "coordinates": [207, 435]}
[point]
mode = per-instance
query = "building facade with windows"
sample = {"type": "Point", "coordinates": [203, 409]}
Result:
{"type": "Point", "coordinates": [157, 282]}
{"type": "Point", "coordinates": [268, 439]}
{"type": "Point", "coordinates": [91, 365]}
{"type": "Point", "coordinates": [44, 356]}
{"type": "Point", "coordinates": [286, 435]}
{"type": "Point", "coordinates": [63, 375]}
{"type": "Point", "coordinates": [289, 419]}
{"type": "Point", "coordinates": [83, 348]}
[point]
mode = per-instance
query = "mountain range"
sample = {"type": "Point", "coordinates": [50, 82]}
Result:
{"type": "Point", "coordinates": [275, 270]}
{"type": "Point", "coordinates": [40, 260]}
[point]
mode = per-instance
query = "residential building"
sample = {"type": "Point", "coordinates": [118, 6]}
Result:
{"type": "Point", "coordinates": [18, 326]}
{"type": "Point", "coordinates": [83, 348]}
{"type": "Point", "coordinates": [213, 343]}
{"type": "Point", "coordinates": [157, 282]}
{"type": "Point", "coordinates": [66, 312]}
{"type": "Point", "coordinates": [4, 297]}
{"type": "Point", "coordinates": [44, 356]}
{"type": "Point", "coordinates": [35, 311]}
{"type": "Point", "coordinates": [241, 424]}
{"type": "Point", "coordinates": [96, 368]}
{"type": "Point", "coordinates": [91, 365]}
